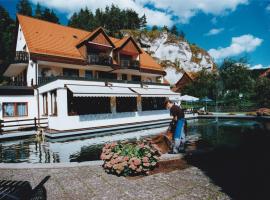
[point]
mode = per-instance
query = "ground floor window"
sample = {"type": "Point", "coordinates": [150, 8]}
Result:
{"type": "Point", "coordinates": [153, 103]}
{"type": "Point", "coordinates": [15, 109]}
{"type": "Point", "coordinates": [126, 104]}
{"type": "Point", "coordinates": [89, 105]}
{"type": "Point", "coordinates": [70, 72]}
{"type": "Point", "coordinates": [136, 78]}
{"type": "Point", "coordinates": [107, 75]}
{"type": "Point", "coordinates": [45, 103]}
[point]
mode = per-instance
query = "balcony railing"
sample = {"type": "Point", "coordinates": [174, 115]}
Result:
{"type": "Point", "coordinates": [21, 57]}
{"type": "Point", "coordinates": [130, 64]}
{"type": "Point", "coordinates": [101, 59]}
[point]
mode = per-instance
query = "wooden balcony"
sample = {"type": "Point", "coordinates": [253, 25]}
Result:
{"type": "Point", "coordinates": [130, 64]}
{"type": "Point", "coordinates": [99, 59]}
{"type": "Point", "coordinates": [21, 57]}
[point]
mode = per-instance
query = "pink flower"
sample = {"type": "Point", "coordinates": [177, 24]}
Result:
{"type": "Point", "coordinates": [126, 158]}
{"type": "Point", "coordinates": [146, 164]}
{"type": "Point", "coordinates": [145, 159]}
{"type": "Point", "coordinates": [137, 162]}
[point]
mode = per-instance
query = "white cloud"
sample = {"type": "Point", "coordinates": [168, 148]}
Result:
{"type": "Point", "coordinates": [259, 66]}
{"type": "Point", "coordinates": [242, 44]}
{"type": "Point", "coordinates": [214, 31]}
{"type": "Point", "coordinates": [159, 13]}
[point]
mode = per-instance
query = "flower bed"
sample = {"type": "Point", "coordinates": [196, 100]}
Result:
{"type": "Point", "coordinates": [129, 159]}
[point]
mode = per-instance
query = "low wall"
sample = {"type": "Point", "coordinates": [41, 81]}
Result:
{"type": "Point", "coordinates": [88, 121]}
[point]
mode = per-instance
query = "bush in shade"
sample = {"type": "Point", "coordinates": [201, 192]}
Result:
{"type": "Point", "coordinates": [129, 159]}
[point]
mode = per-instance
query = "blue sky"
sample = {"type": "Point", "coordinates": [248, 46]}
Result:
{"type": "Point", "coordinates": [227, 28]}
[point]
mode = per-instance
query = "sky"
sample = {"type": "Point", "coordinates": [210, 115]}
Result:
{"type": "Point", "coordinates": [225, 28]}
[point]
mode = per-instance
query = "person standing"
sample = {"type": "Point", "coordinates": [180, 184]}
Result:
{"type": "Point", "coordinates": [177, 126]}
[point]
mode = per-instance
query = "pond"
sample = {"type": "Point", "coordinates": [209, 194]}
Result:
{"type": "Point", "coordinates": [204, 133]}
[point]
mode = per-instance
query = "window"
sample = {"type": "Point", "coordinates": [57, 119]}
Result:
{"type": "Point", "coordinates": [54, 103]}
{"type": "Point", "coordinates": [88, 74]}
{"type": "Point", "coordinates": [45, 104]}
{"type": "Point", "coordinates": [107, 75]}
{"type": "Point", "coordinates": [136, 78]}
{"type": "Point", "coordinates": [124, 77]}
{"type": "Point", "coordinates": [126, 104]}
{"type": "Point", "coordinates": [15, 109]}
{"type": "Point", "coordinates": [153, 103]}
{"type": "Point", "coordinates": [70, 72]}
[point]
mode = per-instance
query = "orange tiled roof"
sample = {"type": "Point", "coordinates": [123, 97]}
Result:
{"type": "Point", "coordinates": [48, 38]}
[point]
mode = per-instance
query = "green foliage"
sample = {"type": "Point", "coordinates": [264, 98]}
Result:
{"type": "Point", "coordinates": [154, 28]}
{"type": "Point", "coordinates": [7, 30]}
{"type": "Point", "coordinates": [174, 30]}
{"type": "Point", "coordinates": [113, 19]}
{"type": "Point", "coordinates": [203, 86]}
{"type": "Point", "coordinates": [233, 85]}
{"type": "Point", "coordinates": [262, 92]}
{"type": "Point", "coordinates": [24, 7]}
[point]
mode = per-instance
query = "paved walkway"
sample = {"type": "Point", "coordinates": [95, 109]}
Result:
{"type": "Point", "coordinates": [91, 182]}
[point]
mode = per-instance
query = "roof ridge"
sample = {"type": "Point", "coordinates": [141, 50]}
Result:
{"type": "Point", "coordinates": [53, 23]}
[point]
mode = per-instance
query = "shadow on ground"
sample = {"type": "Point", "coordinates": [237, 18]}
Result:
{"type": "Point", "coordinates": [242, 172]}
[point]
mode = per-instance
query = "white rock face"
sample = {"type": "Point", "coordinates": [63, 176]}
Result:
{"type": "Point", "coordinates": [177, 55]}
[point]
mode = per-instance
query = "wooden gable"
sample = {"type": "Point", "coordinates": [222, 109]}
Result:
{"type": "Point", "coordinates": [101, 38]}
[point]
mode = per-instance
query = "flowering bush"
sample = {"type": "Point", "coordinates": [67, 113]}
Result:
{"type": "Point", "coordinates": [130, 158]}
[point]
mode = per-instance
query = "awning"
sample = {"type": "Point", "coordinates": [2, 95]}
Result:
{"type": "Point", "coordinates": [100, 91]}
{"type": "Point", "coordinates": [155, 92]}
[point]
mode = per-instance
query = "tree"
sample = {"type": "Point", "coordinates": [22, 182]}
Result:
{"type": "Point", "coordinates": [7, 30]}
{"type": "Point", "coordinates": [154, 28]}
{"type": "Point", "coordinates": [38, 11]}
{"type": "Point", "coordinates": [24, 7]}
{"type": "Point", "coordinates": [236, 77]}
{"type": "Point", "coordinates": [174, 30]}
{"type": "Point", "coordinates": [262, 92]}
{"type": "Point", "coordinates": [165, 28]}
{"type": "Point", "coordinates": [49, 15]}
{"type": "Point", "coordinates": [204, 85]}
{"type": "Point", "coordinates": [143, 21]}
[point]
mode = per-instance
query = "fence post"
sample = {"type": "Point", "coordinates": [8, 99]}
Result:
{"type": "Point", "coordinates": [35, 122]}
{"type": "Point", "coordinates": [1, 125]}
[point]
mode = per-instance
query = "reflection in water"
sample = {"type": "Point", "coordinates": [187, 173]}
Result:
{"type": "Point", "coordinates": [205, 132]}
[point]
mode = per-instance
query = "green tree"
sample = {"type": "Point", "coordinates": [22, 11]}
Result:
{"type": "Point", "coordinates": [49, 15]}
{"type": "Point", "coordinates": [38, 11]}
{"type": "Point", "coordinates": [174, 30]}
{"type": "Point", "coordinates": [7, 30]}
{"type": "Point", "coordinates": [262, 92]}
{"type": "Point", "coordinates": [24, 7]}
{"type": "Point", "coordinates": [154, 28]}
{"type": "Point", "coordinates": [237, 80]}
{"type": "Point", "coordinates": [143, 22]}
{"type": "Point", "coordinates": [204, 85]}
{"type": "Point", "coordinates": [165, 28]}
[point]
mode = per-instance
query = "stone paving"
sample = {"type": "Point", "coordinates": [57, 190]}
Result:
{"type": "Point", "coordinates": [91, 182]}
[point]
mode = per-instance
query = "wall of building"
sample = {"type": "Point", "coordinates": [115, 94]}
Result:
{"type": "Point", "coordinates": [86, 121]}
{"type": "Point", "coordinates": [31, 101]}
{"type": "Point", "coordinates": [21, 43]}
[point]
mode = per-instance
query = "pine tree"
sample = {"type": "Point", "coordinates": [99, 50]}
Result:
{"type": "Point", "coordinates": [49, 15]}
{"type": "Point", "coordinates": [174, 30]}
{"type": "Point", "coordinates": [7, 30]}
{"type": "Point", "coordinates": [165, 28]}
{"type": "Point", "coordinates": [38, 11]}
{"type": "Point", "coordinates": [154, 28]}
{"type": "Point", "coordinates": [143, 21]}
{"type": "Point", "coordinates": [24, 7]}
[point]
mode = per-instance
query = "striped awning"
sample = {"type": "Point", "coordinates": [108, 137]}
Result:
{"type": "Point", "coordinates": [155, 92]}
{"type": "Point", "coordinates": [100, 91]}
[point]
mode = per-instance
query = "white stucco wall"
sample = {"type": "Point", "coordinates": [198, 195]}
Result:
{"type": "Point", "coordinates": [32, 106]}
{"type": "Point", "coordinates": [86, 121]}
{"type": "Point", "coordinates": [21, 40]}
